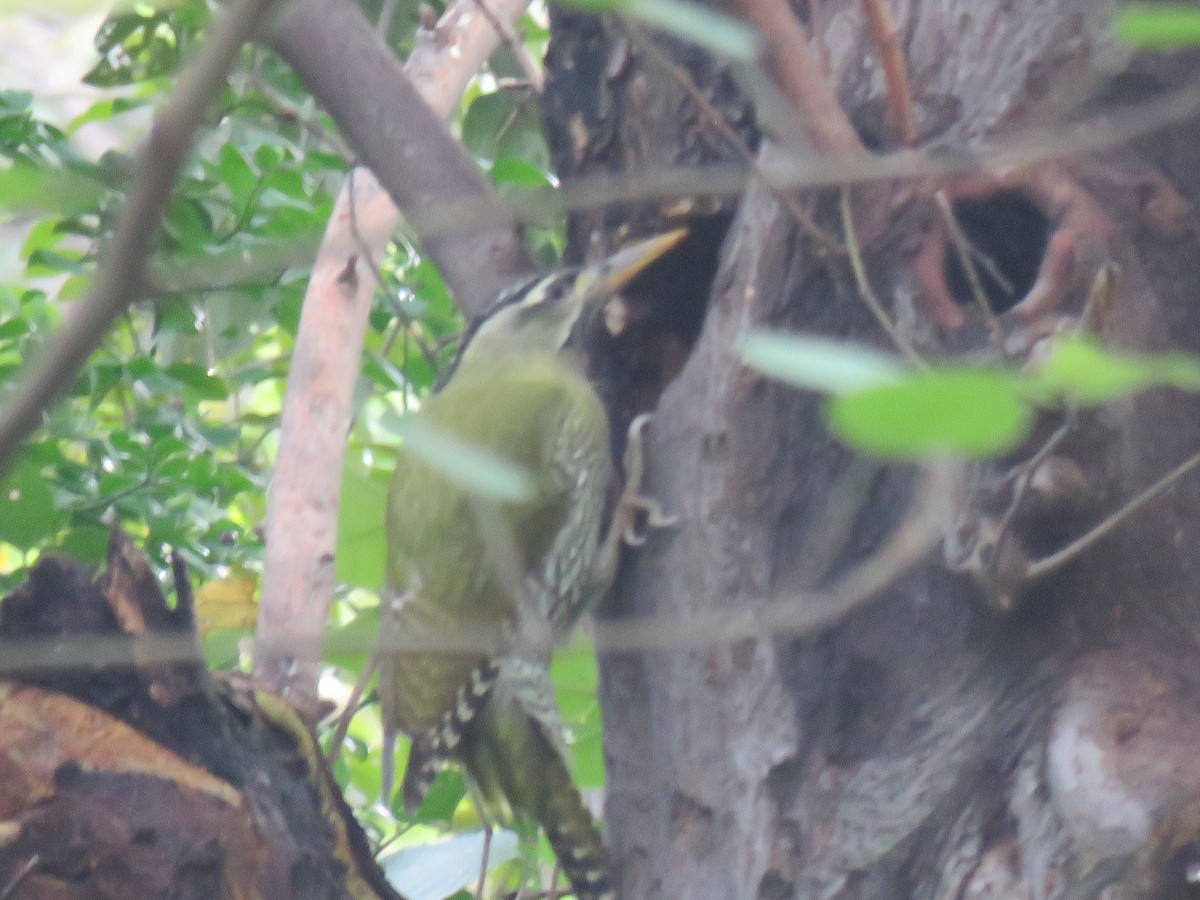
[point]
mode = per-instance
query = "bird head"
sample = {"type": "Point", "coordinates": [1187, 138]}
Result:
{"type": "Point", "coordinates": [540, 315]}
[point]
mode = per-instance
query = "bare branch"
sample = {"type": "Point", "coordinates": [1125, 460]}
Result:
{"type": "Point", "coordinates": [899, 92]}
{"type": "Point", "coordinates": [801, 78]}
{"type": "Point", "coordinates": [402, 139]}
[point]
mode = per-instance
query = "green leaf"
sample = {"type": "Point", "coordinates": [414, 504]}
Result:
{"type": "Point", "coordinates": [27, 511]}
{"type": "Point", "coordinates": [47, 189]}
{"type": "Point", "coordinates": [505, 124]}
{"type": "Point", "coordinates": [1090, 374]}
{"type": "Point", "coordinates": [443, 798]}
{"type": "Point", "coordinates": [105, 110]}
{"type": "Point", "coordinates": [467, 465]}
{"type": "Point", "coordinates": [206, 385]}
{"type": "Point", "coordinates": [13, 328]}
{"type": "Point", "coordinates": [576, 682]}
{"type": "Point", "coordinates": [221, 647]}
{"type": "Point", "coordinates": [237, 173]}
{"type": "Point", "coordinates": [85, 543]}
{"type": "Point", "coordinates": [513, 170]}
{"type": "Point", "coordinates": [708, 28]}
{"type": "Point", "coordinates": [973, 412]}
{"type": "Point", "coordinates": [1160, 25]}
{"type": "Point", "coordinates": [361, 544]}
{"type": "Point", "coordinates": [818, 364]}
{"type": "Point", "coordinates": [348, 646]}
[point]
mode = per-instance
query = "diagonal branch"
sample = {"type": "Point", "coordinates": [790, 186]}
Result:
{"type": "Point", "coordinates": [402, 139]}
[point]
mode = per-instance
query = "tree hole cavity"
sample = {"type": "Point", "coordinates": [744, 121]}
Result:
{"type": "Point", "coordinates": [666, 305]}
{"type": "Point", "coordinates": [1008, 234]}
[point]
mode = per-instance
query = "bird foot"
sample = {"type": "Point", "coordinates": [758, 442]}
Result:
{"type": "Point", "coordinates": [636, 513]}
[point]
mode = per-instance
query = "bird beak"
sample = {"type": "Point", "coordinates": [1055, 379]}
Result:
{"type": "Point", "coordinates": [622, 267]}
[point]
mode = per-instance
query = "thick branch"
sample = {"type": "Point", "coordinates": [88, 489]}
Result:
{"type": "Point", "coordinates": [798, 74]}
{"type": "Point", "coordinates": [401, 139]}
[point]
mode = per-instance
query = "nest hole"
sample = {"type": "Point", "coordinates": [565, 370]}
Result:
{"type": "Point", "coordinates": [668, 303]}
{"type": "Point", "coordinates": [1008, 234]}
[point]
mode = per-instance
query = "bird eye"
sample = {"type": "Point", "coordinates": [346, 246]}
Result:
{"type": "Point", "coordinates": [554, 290]}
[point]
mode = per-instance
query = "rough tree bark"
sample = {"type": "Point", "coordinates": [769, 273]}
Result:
{"type": "Point", "coordinates": [964, 733]}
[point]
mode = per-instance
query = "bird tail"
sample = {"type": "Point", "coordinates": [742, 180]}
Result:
{"type": "Point", "coordinates": [432, 750]}
{"type": "Point", "coordinates": [519, 766]}
{"type": "Point", "coordinates": [558, 805]}
{"type": "Point", "coordinates": [573, 833]}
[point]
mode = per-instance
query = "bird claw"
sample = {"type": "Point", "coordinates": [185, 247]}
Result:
{"type": "Point", "coordinates": [655, 517]}
{"type": "Point", "coordinates": [631, 526]}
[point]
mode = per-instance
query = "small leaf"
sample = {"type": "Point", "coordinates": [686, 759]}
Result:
{"type": "Point", "coordinates": [576, 681]}
{"type": "Point", "coordinates": [446, 796]}
{"type": "Point", "coordinates": [105, 110]}
{"type": "Point", "coordinates": [85, 543]}
{"type": "Point", "coordinates": [443, 867]}
{"type": "Point", "coordinates": [55, 190]}
{"type": "Point", "coordinates": [817, 363]}
{"type": "Point", "coordinates": [195, 376]}
{"type": "Point", "coordinates": [713, 30]}
{"type": "Point", "coordinates": [221, 647]}
{"type": "Point", "coordinates": [972, 412]}
{"type": "Point", "coordinates": [1091, 374]}
{"type": "Point", "coordinates": [467, 465]}
{"type": "Point", "coordinates": [27, 511]}
{"type": "Point", "coordinates": [514, 170]}
{"type": "Point", "coordinates": [237, 173]}
{"type": "Point", "coordinates": [1161, 25]}
{"type": "Point", "coordinates": [348, 646]}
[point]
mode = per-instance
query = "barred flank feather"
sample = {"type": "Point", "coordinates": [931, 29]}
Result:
{"type": "Point", "coordinates": [433, 750]}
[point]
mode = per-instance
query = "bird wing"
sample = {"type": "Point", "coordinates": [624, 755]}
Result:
{"type": "Point", "coordinates": [578, 466]}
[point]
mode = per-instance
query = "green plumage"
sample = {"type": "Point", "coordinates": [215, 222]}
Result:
{"type": "Point", "coordinates": [460, 564]}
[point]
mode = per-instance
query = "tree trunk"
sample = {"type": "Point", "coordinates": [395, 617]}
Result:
{"type": "Point", "coordinates": [968, 731]}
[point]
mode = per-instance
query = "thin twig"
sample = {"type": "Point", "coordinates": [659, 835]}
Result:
{"type": "Point", "coordinates": [798, 74]}
{"type": "Point", "coordinates": [963, 248]}
{"type": "Point", "coordinates": [24, 871]}
{"type": "Point", "coordinates": [535, 75]}
{"type": "Point", "coordinates": [387, 11]}
{"type": "Point", "coordinates": [351, 708]}
{"type": "Point", "coordinates": [1022, 478]}
{"type": "Point", "coordinates": [373, 267]}
{"type": "Point", "coordinates": [1047, 564]}
{"type": "Point", "coordinates": [895, 76]}
{"type": "Point", "coordinates": [794, 613]}
{"type": "Point", "coordinates": [287, 111]}
{"type": "Point", "coordinates": [1016, 152]}
{"type": "Point", "coordinates": [864, 285]}
{"type": "Point", "coordinates": [483, 861]}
